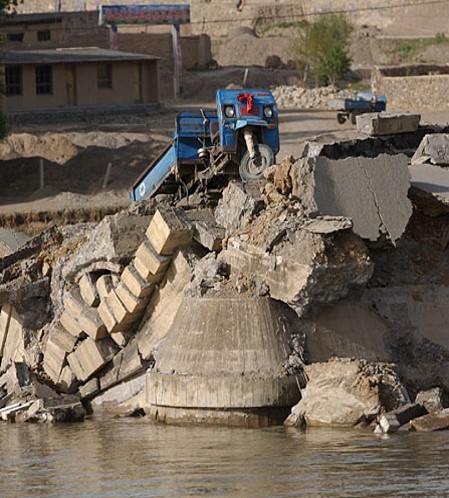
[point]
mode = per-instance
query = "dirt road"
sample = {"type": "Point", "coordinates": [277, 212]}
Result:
{"type": "Point", "coordinates": [297, 125]}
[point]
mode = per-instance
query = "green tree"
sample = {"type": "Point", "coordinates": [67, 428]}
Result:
{"type": "Point", "coordinates": [320, 48]}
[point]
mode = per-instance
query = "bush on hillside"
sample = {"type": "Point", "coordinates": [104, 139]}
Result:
{"type": "Point", "coordinates": [320, 49]}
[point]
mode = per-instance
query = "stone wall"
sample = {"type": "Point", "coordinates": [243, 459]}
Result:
{"type": "Point", "coordinates": [216, 19]}
{"type": "Point", "coordinates": [417, 89]}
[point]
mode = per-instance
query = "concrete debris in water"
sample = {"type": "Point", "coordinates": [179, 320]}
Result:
{"type": "Point", "coordinates": [355, 392]}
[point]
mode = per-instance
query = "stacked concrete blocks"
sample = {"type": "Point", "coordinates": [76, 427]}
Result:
{"type": "Point", "coordinates": [101, 313]}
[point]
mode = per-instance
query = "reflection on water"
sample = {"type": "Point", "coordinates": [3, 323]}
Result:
{"type": "Point", "coordinates": [136, 458]}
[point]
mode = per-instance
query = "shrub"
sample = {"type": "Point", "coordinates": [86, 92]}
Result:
{"type": "Point", "coordinates": [320, 48]}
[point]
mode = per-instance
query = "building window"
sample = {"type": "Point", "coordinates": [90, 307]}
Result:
{"type": "Point", "coordinates": [44, 35]}
{"type": "Point", "coordinates": [15, 37]}
{"type": "Point", "coordinates": [44, 83]}
{"type": "Point", "coordinates": [104, 75]}
{"type": "Point", "coordinates": [13, 80]}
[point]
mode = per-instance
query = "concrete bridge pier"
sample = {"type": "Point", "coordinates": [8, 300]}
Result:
{"type": "Point", "coordinates": [224, 362]}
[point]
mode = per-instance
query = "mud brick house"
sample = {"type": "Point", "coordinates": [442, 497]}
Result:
{"type": "Point", "coordinates": [71, 78]}
{"type": "Point", "coordinates": [53, 30]}
{"type": "Point", "coordinates": [57, 30]}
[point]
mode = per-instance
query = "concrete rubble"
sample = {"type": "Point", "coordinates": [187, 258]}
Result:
{"type": "Point", "coordinates": [433, 149]}
{"type": "Point", "coordinates": [325, 281]}
{"type": "Point", "coordinates": [387, 123]}
{"type": "Point", "coordinates": [356, 390]}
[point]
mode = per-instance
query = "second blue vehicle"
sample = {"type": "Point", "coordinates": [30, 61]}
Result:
{"type": "Point", "coordinates": [239, 137]}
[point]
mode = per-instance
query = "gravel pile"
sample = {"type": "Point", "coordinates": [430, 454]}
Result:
{"type": "Point", "coordinates": [308, 98]}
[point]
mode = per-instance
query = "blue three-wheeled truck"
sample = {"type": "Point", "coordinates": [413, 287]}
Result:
{"type": "Point", "coordinates": [239, 137]}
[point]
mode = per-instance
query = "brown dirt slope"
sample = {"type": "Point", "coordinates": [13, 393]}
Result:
{"type": "Point", "coordinates": [421, 20]}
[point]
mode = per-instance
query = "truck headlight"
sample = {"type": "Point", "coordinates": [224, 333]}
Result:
{"type": "Point", "coordinates": [229, 111]}
{"type": "Point", "coordinates": [268, 112]}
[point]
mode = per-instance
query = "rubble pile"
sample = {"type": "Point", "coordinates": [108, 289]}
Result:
{"type": "Point", "coordinates": [308, 98]}
{"type": "Point", "coordinates": [325, 281]}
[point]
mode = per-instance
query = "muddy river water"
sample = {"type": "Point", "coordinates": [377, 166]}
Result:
{"type": "Point", "coordinates": [136, 458]}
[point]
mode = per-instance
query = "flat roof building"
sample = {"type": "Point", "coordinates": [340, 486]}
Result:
{"type": "Point", "coordinates": [77, 78]}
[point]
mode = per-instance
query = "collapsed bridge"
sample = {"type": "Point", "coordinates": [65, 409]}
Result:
{"type": "Point", "coordinates": [210, 313]}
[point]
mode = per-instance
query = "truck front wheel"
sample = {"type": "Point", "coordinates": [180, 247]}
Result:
{"type": "Point", "coordinates": [252, 169]}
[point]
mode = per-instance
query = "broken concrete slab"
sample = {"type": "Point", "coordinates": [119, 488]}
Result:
{"type": "Point", "coordinates": [168, 231]}
{"type": "Point", "coordinates": [107, 316]}
{"type": "Point", "coordinates": [54, 359]}
{"type": "Point", "coordinates": [431, 422]}
{"type": "Point", "coordinates": [433, 149]}
{"type": "Point", "coordinates": [90, 322]}
{"type": "Point", "coordinates": [11, 241]}
{"type": "Point", "coordinates": [205, 229]}
{"type": "Point", "coordinates": [393, 420]}
{"type": "Point", "coordinates": [354, 390]}
{"type": "Point", "coordinates": [237, 206]}
{"type": "Point", "coordinates": [164, 304]}
{"type": "Point", "coordinates": [304, 269]}
{"type": "Point", "coordinates": [387, 123]}
{"type": "Point", "coordinates": [90, 388]}
{"type": "Point", "coordinates": [9, 412]}
{"type": "Point", "coordinates": [122, 337]}
{"type": "Point", "coordinates": [70, 324]}
{"type": "Point", "coordinates": [413, 322]}
{"type": "Point", "coordinates": [134, 305]}
{"type": "Point", "coordinates": [104, 284]}
{"type": "Point", "coordinates": [5, 317]}
{"type": "Point", "coordinates": [209, 275]}
{"type": "Point", "coordinates": [90, 356]}
{"type": "Point", "coordinates": [112, 242]}
{"type": "Point", "coordinates": [65, 413]}
{"type": "Point", "coordinates": [136, 283]}
{"type": "Point", "coordinates": [29, 300]}
{"type": "Point", "coordinates": [67, 382]}
{"type": "Point", "coordinates": [432, 399]}
{"type": "Point", "coordinates": [14, 345]}
{"type": "Point", "coordinates": [327, 224]}
{"type": "Point", "coordinates": [149, 263]}
{"type": "Point", "coordinates": [373, 192]}
{"type": "Point", "coordinates": [119, 310]}
{"type": "Point", "coordinates": [88, 289]}
{"type": "Point", "coordinates": [126, 364]}
{"type": "Point", "coordinates": [18, 376]}
{"type": "Point", "coordinates": [432, 184]}
{"type": "Point", "coordinates": [73, 303]}
{"type": "Point", "coordinates": [61, 338]}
